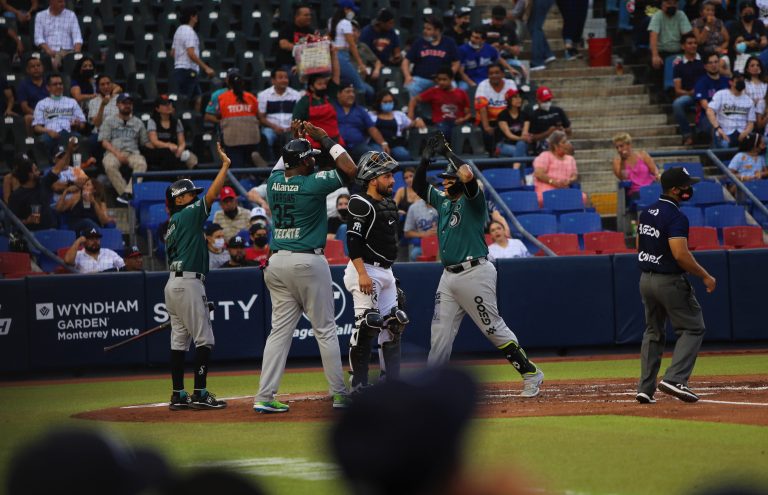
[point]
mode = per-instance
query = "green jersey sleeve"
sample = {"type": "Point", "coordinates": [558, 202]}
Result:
{"type": "Point", "coordinates": [323, 182]}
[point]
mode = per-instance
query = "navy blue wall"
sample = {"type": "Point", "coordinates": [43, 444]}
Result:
{"type": "Point", "coordinates": [66, 321]}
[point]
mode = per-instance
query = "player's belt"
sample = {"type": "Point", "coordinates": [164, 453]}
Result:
{"type": "Point", "coordinates": [196, 275]}
{"type": "Point", "coordinates": [380, 264]}
{"type": "Point", "coordinates": [464, 266]}
{"type": "Point", "coordinates": [303, 251]}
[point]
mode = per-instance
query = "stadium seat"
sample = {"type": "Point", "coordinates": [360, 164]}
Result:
{"type": "Point", "coordinates": [229, 44]}
{"type": "Point", "coordinates": [561, 244]}
{"type": "Point", "coordinates": [707, 193]}
{"type": "Point", "coordinates": [128, 31]}
{"type": "Point", "coordinates": [69, 61]}
{"type": "Point", "coordinates": [144, 86]}
{"type": "Point", "coordinates": [146, 194]}
{"type": "Point", "coordinates": [744, 237]}
{"type": "Point", "coordinates": [390, 77]}
{"type": "Point", "coordinates": [146, 48]}
{"type": "Point", "coordinates": [120, 65]}
{"type": "Point", "coordinates": [216, 206]}
{"type": "Point", "coordinates": [759, 188]}
{"type": "Point", "coordinates": [539, 223]}
{"type": "Point", "coordinates": [4, 244]}
{"type": "Point", "coordinates": [563, 200]}
{"type": "Point", "coordinates": [648, 195]}
{"type": "Point", "coordinates": [503, 179]}
{"type": "Point", "coordinates": [695, 169]}
{"type": "Point", "coordinates": [12, 136]}
{"type": "Point", "coordinates": [694, 214]}
{"type": "Point", "coordinates": [416, 140]}
{"type": "Point", "coordinates": [103, 9]}
{"type": "Point", "coordinates": [161, 66]}
{"type": "Point", "coordinates": [520, 201]}
{"type": "Point", "coordinates": [703, 238]}
{"type": "Point", "coordinates": [467, 139]}
{"type": "Point", "coordinates": [210, 27]}
{"type": "Point", "coordinates": [113, 239]}
{"type": "Point", "coordinates": [724, 216]}
{"type": "Point", "coordinates": [53, 240]}
{"type": "Point", "coordinates": [580, 223]}
{"type": "Point", "coordinates": [334, 252]}
{"type": "Point", "coordinates": [14, 262]}
{"type": "Point", "coordinates": [251, 65]}
{"type": "Point", "coordinates": [429, 248]}
{"type": "Point", "coordinates": [606, 243]}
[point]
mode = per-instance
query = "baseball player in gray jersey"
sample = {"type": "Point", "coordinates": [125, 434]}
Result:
{"type": "Point", "coordinates": [372, 240]}
{"type": "Point", "coordinates": [298, 276]}
{"type": "Point", "coordinates": [468, 283]}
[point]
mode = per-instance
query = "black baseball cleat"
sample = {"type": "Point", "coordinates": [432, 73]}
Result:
{"type": "Point", "coordinates": [206, 400]}
{"type": "Point", "coordinates": [678, 390]}
{"type": "Point", "coordinates": [180, 401]}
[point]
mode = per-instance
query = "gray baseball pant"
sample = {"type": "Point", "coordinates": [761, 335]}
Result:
{"type": "Point", "coordinates": [187, 308]}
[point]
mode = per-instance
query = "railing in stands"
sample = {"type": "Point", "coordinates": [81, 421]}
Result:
{"type": "Point", "coordinates": [30, 237]}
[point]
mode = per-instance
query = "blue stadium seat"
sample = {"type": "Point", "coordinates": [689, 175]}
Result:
{"type": "Point", "coordinates": [694, 214]}
{"type": "Point", "coordinates": [708, 193]}
{"type": "Point", "coordinates": [759, 188]}
{"type": "Point", "coordinates": [214, 208]}
{"type": "Point", "coordinates": [648, 195]}
{"type": "Point", "coordinates": [539, 223]}
{"type": "Point", "coordinates": [561, 200]}
{"type": "Point", "coordinates": [580, 223]}
{"type": "Point", "coordinates": [146, 194]}
{"type": "Point", "coordinates": [204, 183]}
{"type": "Point", "coordinates": [695, 169]}
{"type": "Point", "coordinates": [521, 201]}
{"type": "Point", "coordinates": [53, 240]}
{"type": "Point", "coordinates": [504, 179]}
{"type": "Point", "coordinates": [156, 215]}
{"type": "Point", "coordinates": [113, 239]}
{"type": "Point", "coordinates": [724, 216]}
{"type": "Point", "coordinates": [4, 247]}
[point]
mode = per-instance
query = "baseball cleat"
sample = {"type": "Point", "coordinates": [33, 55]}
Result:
{"type": "Point", "coordinates": [271, 406]}
{"type": "Point", "coordinates": [341, 401]}
{"type": "Point", "coordinates": [678, 390]}
{"type": "Point", "coordinates": [206, 400]}
{"type": "Point", "coordinates": [645, 398]}
{"type": "Point", "coordinates": [532, 383]}
{"type": "Point", "coordinates": [179, 401]}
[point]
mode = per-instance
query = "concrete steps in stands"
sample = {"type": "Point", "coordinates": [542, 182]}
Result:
{"type": "Point", "coordinates": [618, 122]}
{"type": "Point", "coordinates": [646, 142]}
{"type": "Point", "coordinates": [634, 130]}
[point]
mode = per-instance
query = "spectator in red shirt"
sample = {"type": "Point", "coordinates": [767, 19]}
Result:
{"type": "Point", "coordinates": [450, 106]}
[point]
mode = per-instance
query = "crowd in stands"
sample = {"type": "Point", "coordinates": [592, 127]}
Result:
{"type": "Point", "coordinates": [140, 99]}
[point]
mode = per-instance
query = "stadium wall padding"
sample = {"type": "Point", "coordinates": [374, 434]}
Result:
{"type": "Point", "coordinates": [65, 321]}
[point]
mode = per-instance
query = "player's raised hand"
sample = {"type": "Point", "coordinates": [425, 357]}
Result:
{"type": "Point", "coordinates": [297, 129]}
{"type": "Point", "coordinates": [314, 132]}
{"type": "Point", "coordinates": [225, 161]}
{"type": "Point", "coordinates": [465, 173]}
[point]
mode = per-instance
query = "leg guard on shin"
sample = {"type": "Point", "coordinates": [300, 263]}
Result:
{"type": "Point", "coordinates": [396, 321]}
{"type": "Point", "coordinates": [516, 355]}
{"type": "Point", "coordinates": [389, 354]}
{"type": "Point", "coordinates": [367, 326]}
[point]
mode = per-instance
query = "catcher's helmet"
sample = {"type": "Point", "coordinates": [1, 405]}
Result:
{"type": "Point", "coordinates": [373, 164]}
{"type": "Point", "coordinates": [178, 188]}
{"type": "Point", "coordinates": [296, 151]}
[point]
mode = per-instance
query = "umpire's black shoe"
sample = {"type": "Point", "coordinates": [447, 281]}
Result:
{"type": "Point", "coordinates": [180, 401]}
{"type": "Point", "coordinates": [678, 390]}
{"type": "Point", "coordinates": [206, 400]}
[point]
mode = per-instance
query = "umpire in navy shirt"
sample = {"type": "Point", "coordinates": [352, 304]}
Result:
{"type": "Point", "coordinates": [664, 258]}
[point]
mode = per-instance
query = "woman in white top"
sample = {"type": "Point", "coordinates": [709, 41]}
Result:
{"type": "Point", "coordinates": [502, 246]}
{"type": "Point", "coordinates": [341, 30]}
{"type": "Point", "coordinates": [754, 77]}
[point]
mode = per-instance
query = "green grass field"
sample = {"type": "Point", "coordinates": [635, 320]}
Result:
{"type": "Point", "coordinates": [580, 454]}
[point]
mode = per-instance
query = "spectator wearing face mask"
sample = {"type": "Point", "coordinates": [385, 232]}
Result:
{"type": "Point", "coordinates": [732, 114]}
{"type": "Point", "coordinates": [666, 29]}
{"type": "Point", "coordinates": [748, 34]}
{"type": "Point", "coordinates": [217, 254]}
{"type": "Point", "coordinates": [335, 222]}
{"type": "Point", "coordinates": [393, 124]}
{"type": "Point", "coordinates": [259, 250]}
{"type": "Point", "coordinates": [236, 249]}
{"type": "Point", "coordinates": [547, 118]}
{"type": "Point", "coordinates": [232, 217]}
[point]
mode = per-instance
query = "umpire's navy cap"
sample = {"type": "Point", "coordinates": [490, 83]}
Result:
{"type": "Point", "coordinates": [416, 427]}
{"type": "Point", "coordinates": [676, 177]}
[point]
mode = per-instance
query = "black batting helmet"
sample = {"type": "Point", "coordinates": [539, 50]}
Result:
{"type": "Point", "coordinates": [177, 189]}
{"type": "Point", "coordinates": [296, 151]}
{"type": "Point", "coordinates": [373, 164]}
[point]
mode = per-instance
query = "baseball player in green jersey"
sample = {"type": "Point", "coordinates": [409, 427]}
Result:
{"type": "Point", "coordinates": [468, 282]}
{"type": "Point", "coordinates": [297, 275]}
{"type": "Point", "coordinates": [185, 297]}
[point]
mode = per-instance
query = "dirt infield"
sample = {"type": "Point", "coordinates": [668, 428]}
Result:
{"type": "Point", "coordinates": [724, 399]}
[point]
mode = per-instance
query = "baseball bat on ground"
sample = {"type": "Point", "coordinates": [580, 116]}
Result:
{"type": "Point", "coordinates": [156, 329]}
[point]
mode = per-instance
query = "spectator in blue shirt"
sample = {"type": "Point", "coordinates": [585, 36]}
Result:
{"type": "Point", "coordinates": [428, 54]}
{"type": "Point", "coordinates": [355, 125]}
{"type": "Point", "coordinates": [706, 87]}
{"type": "Point", "coordinates": [31, 90]}
{"type": "Point", "coordinates": [381, 36]}
{"type": "Point", "coordinates": [475, 57]}
{"type": "Point", "coordinates": [687, 69]}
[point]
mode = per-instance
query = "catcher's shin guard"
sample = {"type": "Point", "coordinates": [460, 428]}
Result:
{"type": "Point", "coordinates": [389, 356]}
{"type": "Point", "coordinates": [367, 326]}
{"type": "Point", "coordinates": [396, 321]}
{"type": "Point", "coordinates": [516, 355]}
